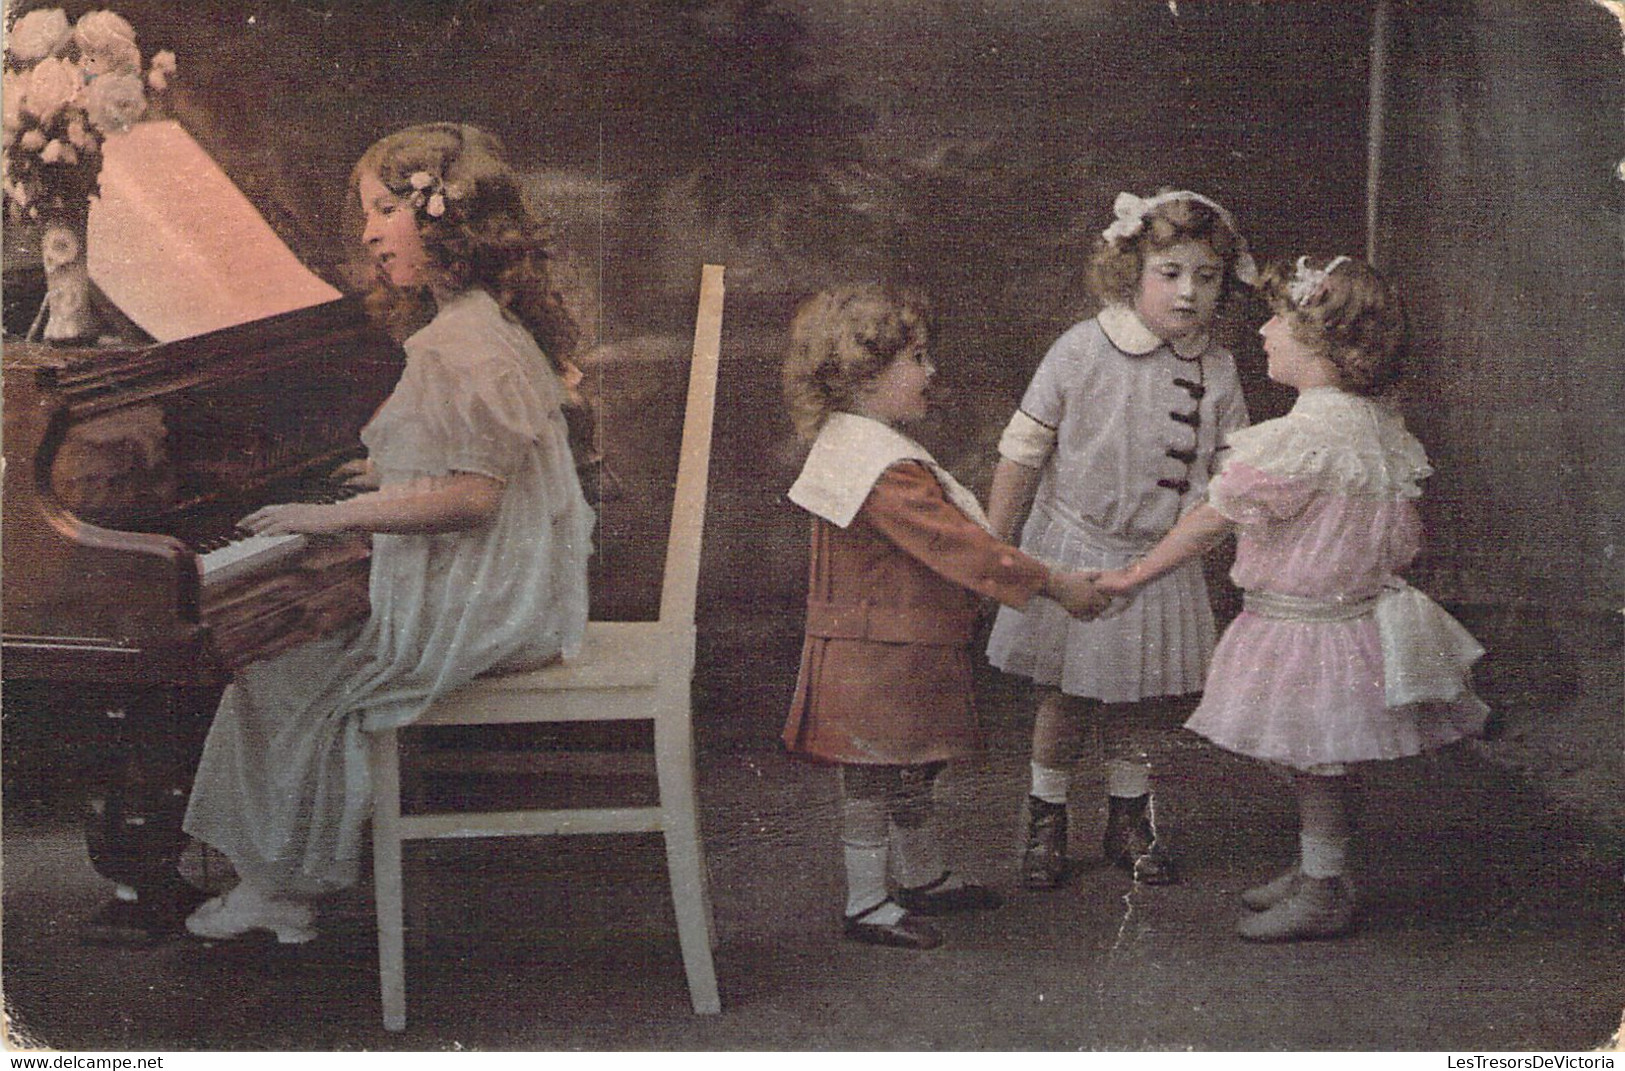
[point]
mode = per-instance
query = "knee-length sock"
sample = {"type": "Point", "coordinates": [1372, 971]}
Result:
{"type": "Point", "coordinates": [864, 803]}
{"type": "Point", "coordinates": [916, 852]}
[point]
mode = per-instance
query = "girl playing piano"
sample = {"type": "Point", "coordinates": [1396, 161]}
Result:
{"type": "Point", "coordinates": [480, 531]}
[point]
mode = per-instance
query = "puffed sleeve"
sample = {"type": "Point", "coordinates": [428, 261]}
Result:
{"type": "Point", "coordinates": [907, 506]}
{"type": "Point", "coordinates": [466, 414]}
{"type": "Point", "coordinates": [1248, 495]}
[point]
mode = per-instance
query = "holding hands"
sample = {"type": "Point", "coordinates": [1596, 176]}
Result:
{"type": "Point", "coordinates": [1077, 594]}
{"type": "Point", "coordinates": [1192, 537]}
{"type": "Point", "coordinates": [1118, 583]}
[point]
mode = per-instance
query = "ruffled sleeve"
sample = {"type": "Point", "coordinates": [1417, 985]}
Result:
{"type": "Point", "coordinates": [462, 413]}
{"type": "Point", "coordinates": [1331, 442]}
{"type": "Point", "coordinates": [1335, 442]}
{"type": "Point", "coordinates": [1248, 495]}
{"type": "Point", "coordinates": [1271, 470]}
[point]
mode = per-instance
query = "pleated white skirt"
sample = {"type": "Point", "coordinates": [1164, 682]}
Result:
{"type": "Point", "coordinates": [1157, 644]}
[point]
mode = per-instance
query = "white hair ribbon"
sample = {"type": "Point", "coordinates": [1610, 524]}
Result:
{"type": "Point", "coordinates": [1131, 211]}
{"type": "Point", "coordinates": [1306, 281]}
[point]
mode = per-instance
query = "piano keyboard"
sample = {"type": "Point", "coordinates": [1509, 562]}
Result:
{"type": "Point", "coordinates": [222, 560]}
{"type": "Point", "coordinates": [247, 556]}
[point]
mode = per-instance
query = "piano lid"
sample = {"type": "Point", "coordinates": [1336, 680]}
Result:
{"type": "Point", "coordinates": [177, 247]}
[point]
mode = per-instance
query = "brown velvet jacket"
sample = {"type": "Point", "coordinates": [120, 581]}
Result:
{"type": "Point", "coordinates": [891, 605]}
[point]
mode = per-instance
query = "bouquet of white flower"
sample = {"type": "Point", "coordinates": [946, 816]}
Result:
{"type": "Point", "coordinates": [66, 88]}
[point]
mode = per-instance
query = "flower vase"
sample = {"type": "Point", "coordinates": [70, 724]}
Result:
{"type": "Point", "coordinates": [69, 317]}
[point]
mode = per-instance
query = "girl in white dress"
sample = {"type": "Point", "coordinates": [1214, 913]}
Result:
{"type": "Point", "coordinates": [1114, 441]}
{"type": "Point", "coordinates": [1333, 660]}
{"type": "Point", "coordinates": [480, 532]}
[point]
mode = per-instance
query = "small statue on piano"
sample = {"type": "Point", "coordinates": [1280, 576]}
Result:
{"type": "Point", "coordinates": [480, 530]}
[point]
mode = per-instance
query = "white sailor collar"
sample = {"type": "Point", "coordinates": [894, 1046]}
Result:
{"type": "Point", "coordinates": [850, 454]}
{"type": "Point", "coordinates": [1125, 330]}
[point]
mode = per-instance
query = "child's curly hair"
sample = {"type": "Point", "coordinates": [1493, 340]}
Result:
{"type": "Point", "coordinates": [476, 228]}
{"type": "Point", "coordinates": [1350, 314]}
{"type": "Point", "coordinates": [1116, 266]}
{"type": "Point", "coordinates": [842, 338]}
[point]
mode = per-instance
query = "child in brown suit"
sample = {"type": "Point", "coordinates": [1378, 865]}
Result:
{"type": "Point", "coordinates": [901, 554]}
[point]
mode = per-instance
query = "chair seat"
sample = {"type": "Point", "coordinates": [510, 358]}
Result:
{"type": "Point", "coordinates": [628, 660]}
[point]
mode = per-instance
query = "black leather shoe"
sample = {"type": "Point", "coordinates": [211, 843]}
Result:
{"type": "Point", "coordinates": [932, 899]}
{"type": "Point", "coordinates": [910, 931]}
{"type": "Point", "coordinates": [1156, 867]}
{"type": "Point", "coordinates": [1043, 861]}
{"type": "Point", "coordinates": [1131, 843]}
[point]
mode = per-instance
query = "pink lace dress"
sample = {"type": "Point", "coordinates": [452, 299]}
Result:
{"type": "Point", "coordinates": [1325, 499]}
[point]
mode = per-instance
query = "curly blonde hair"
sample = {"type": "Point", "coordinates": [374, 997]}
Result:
{"type": "Point", "coordinates": [483, 234]}
{"type": "Point", "coordinates": [1116, 267]}
{"type": "Point", "coordinates": [842, 338]}
{"type": "Point", "coordinates": [1355, 318]}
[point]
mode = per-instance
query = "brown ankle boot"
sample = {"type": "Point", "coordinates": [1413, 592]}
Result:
{"type": "Point", "coordinates": [1043, 863]}
{"type": "Point", "coordinates": [1317, 908]}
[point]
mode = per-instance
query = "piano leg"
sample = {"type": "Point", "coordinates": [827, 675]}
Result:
{"type": "Point", "coordinates": [148, 748]}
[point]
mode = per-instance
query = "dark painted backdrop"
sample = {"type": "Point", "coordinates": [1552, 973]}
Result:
{"type": "Point", "coordinates": [974, 149]}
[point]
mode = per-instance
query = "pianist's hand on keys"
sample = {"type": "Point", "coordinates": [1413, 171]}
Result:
{"type": "Point", "coordinates": [294, 517]}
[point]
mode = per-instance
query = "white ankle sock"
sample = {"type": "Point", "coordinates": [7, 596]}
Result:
{"type": "Point", "coordinates": [1129, 780]}
{"type": "Point", "coordinates": [1323, 856]}
{"type": "Point", "coordinates": [863, 844]}
{"type": "Point", "coordinates": [1050, 784]}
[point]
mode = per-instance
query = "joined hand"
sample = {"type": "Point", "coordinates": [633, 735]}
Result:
{"type": "Point", "coordinates": [1115, 582]}
{"type": "Point", "coordinates": [1078, 595]}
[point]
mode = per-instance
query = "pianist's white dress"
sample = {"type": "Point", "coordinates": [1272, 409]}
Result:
{"type": "Point", "coordinates": [282, 788]}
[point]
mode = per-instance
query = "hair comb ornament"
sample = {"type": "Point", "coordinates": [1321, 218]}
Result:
{"type": "Point", "coordinates": [1131, 211]}
{"type": "Point", "coordinates": [1307, 281]}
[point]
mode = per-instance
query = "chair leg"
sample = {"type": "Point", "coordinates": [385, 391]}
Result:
{"type": "Point", "coordinates": [412, 791]}
{"type": "Point", "coordinates": [386, 869]}
{"type": "Point", "coordinates": [685, 861]}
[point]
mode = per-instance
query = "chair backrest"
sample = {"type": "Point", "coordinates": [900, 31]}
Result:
{"type": "Point", "coordinates": [680, 585]}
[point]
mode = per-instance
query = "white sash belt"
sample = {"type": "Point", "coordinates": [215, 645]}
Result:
{"type": "Point", "coordinates": [1426, 654]}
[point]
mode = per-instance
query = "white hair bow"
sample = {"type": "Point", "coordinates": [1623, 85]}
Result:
{"type": "Point", "coordinates": [1306, 280]}
{"type": "Point", "coordinates": [1131, 212]}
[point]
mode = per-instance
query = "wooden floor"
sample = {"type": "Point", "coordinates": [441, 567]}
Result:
{"type": "Point", "coordinates": [1492, 921]}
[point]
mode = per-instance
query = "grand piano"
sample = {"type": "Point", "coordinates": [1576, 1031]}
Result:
{"type": "Point", "coordinates": [128, 594]}
{"type": "Point", "coordinates": [127, 470]}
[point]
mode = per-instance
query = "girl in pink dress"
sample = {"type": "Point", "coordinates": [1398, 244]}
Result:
{"type": "Point", "coordinates": [1333, 660]}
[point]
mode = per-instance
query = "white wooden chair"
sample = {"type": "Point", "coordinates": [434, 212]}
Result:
{"type": "Point", "coordinates": [627, 671]}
